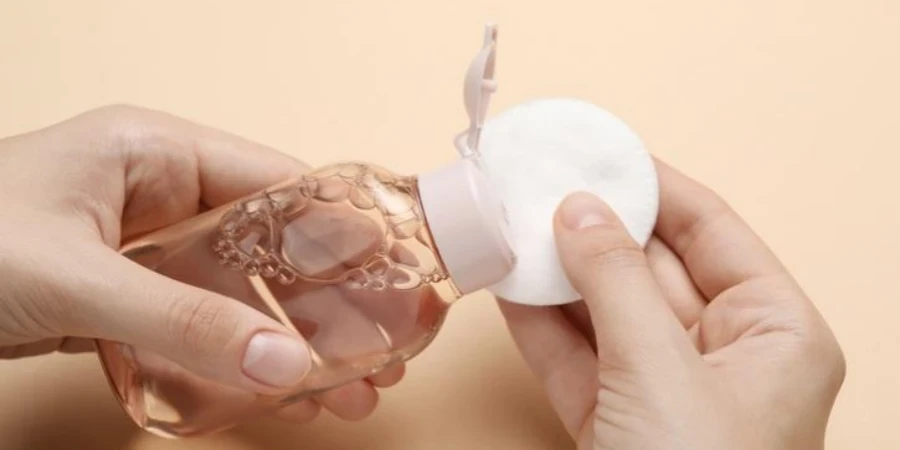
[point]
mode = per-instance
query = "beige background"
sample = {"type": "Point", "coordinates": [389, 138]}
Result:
{"type": "Point", "coordinates": [788, 108]}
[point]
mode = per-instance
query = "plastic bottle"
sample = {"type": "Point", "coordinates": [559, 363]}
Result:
{"type": "Point", "coordinates": [362, 262]}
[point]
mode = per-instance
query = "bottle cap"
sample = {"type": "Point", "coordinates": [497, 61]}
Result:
{"type": "Point", "coordinates": [465, 216]}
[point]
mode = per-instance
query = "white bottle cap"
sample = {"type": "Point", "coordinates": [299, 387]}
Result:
{"type": "Point", "coordinates": [464, 214]}
{"type": "Point", "coordinates": [467, 225]}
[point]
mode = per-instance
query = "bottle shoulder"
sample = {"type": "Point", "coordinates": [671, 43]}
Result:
{"type": "Point", "coordinates": [352, 169]}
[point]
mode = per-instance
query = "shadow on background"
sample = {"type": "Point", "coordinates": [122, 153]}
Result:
{"type": "Point", "coordinates": [60, 403]}
{"type": "Point", "coordinates": [63, 403]}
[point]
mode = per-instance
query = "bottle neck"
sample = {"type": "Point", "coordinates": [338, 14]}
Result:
{"type": "Point", "coordinates": [466, 225]}
{"type": "Point", "coordinates": [426, 237]}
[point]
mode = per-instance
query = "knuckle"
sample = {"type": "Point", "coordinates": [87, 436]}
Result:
{"type": "Point", "coordinates": [111, 118]}
{"type": "Point", "coordinates": [205, 326]}
{"type": "Point", "coordinates": [116, 109]}
{"type": "Point", "coordinates": [828, 359]}
{"type": "Point", "coordinates": [717, 212]}
{"type": "Point", "coordinates": [834, 361]}
{"type": "Point", "coordinates": [123, 124]}
{"type": "Point", "coordinates": [615, 251]}
{"type": "Point", "coordinates": [119, 126]}
{"type": "Point", "coordinates": [838, 366]}
{"type": "Point", "coordinates": [820, 348]}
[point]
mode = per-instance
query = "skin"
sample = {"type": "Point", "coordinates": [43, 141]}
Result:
{"type": "Point", "coordinates": [73, 192]}
{"type": "Point", "coordinates": [701, 341]}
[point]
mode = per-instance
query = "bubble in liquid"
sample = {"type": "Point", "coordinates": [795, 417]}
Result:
{"type": "Point", "coordinates": [400, 279]}
{"type": "Point", "coordinates": [405, 226]}
{"type": "Point", "coordinates": [287, 201]}
{"type": "Point", "coordinates": [251, 268]}
{"type": "Point", "coordinates": [350, 170]}
{"type": "Point", "coordinates": [268, 268]}
{"type": "Point", "coordinates": [420, 236]}
{"type": "Point", "coordinates": [309, 188]}
{"type": "Point", "coordinates": [402, 255]}
{"type": "Point", "coordinates": [383, 176]}
{"type": "Point", "coordinates": [254, 241]}
{"type": "Point", "coordinates": [333, 190]}
{"type": "Point", "coordinates": [361, 199]}
{"type": "Point", "coordinates": [230, 259]}
{"type": "Point", "coordinates": [378, 267]}
{"type": "Point", "coordinates": [285, 277]}
{"type": "Point", "coordinates": [356, 279]}
{"type": "Point", "coordinates": [233, 222]}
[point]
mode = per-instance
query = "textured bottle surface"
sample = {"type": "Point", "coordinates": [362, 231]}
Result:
{"type": "Point", "coordinates": [341, 256]}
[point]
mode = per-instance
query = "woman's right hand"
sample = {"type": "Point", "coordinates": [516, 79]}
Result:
{"type": "Point", "coordinates": [702, 341]}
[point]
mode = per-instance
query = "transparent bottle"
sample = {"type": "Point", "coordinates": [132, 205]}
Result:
{"type": "Point", "coordinates": [361, 262]}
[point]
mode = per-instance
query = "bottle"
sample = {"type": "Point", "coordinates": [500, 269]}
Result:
{"type": "Point", "coordinates": [361, 262]}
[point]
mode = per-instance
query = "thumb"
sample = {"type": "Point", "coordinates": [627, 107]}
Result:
{"type": "Point", "coordinates": [211, 335]}
{"type": "Point", "coordinates": [635, 329]}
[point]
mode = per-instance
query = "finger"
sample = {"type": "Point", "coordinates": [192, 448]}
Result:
{"type": "Point", "coordinates": [679, 291]}
{"type": "Point", "coordinates": [228, 166]}
{"type": "Point", "coordinates": [353, 401]}
{"type": "Point", "coordinates": [677, 287]}
{"type": "Point", "coordinates": [76, 345]}
{"type": "Point", "coordinates": [559, 356]}
{"type": "Point", "coordinates": [226, 163]}
{"type": "Point", "coordinates": [173, 166]}
{"type": "Point", "coordinates": [300, 412]}
{"type": "Point", "coordinates": [209, 334]}
{"type": "Point", "coordinates": [388, 377]}
{"type": "Point", "coordinates": [29, 349]}
{"type": "Point", "coordinates": [44, 346]}
{"type": "Point", "coordinates": [715, 244]}
{"type": "Point", "coordinates": [580, 317]}
{"type": "Point", "coordinates": [632, 322]}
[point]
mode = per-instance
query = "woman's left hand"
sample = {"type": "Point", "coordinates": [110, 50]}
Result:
{"type": "Point", "coordinates": [71, 193]}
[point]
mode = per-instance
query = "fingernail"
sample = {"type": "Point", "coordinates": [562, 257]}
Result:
{"type": "Point", "coordinates": [583, 210]}
{"type": "Point", "coordinates": [276, 359]}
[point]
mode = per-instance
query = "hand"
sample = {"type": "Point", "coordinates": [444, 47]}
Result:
{"type": "Point", "coordinates": [704, 341]}
{"type": "Point", "coordinates": [71, 193]}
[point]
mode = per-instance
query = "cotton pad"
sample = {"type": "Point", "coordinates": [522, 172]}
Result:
{"type": "Point", "coordinates": [536, 154]}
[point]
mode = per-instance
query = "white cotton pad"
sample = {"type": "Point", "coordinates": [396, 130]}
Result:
{"type": "Point", "coordinates": [539, 152]}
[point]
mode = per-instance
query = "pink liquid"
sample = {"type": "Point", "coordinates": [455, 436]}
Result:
{"type": "Point", "coordinates": [342, 257]}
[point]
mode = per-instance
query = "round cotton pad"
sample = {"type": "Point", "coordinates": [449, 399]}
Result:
{"type": "Point", "coordinates": [539, 152]}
